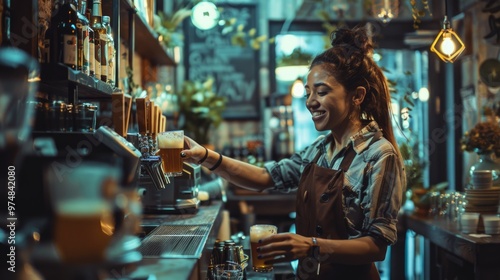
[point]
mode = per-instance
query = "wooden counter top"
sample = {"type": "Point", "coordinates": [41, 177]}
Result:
{"type": "Point", "coordinates": [447, 235]}
{"type": "Point", "coordinates": [179, 267]}
{"type": "Point", "coordinates": [189, 267]}
{"type": "Point", "coordinates": [451, 249]}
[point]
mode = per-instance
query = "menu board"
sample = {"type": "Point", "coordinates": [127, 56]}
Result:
{"type": "Point", "coordinates": [210, 53]}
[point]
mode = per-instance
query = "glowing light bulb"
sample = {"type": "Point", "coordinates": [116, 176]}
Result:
{"type": "Point", "coordinates": [205, 15]}
{"type": "Point", "coordinates": [385, 15]}
{"type": "Point", "coordinates": [447, 45]}
{"type": "Point", "coordinates": [298, 89]}
{"type": "Point", "coordinates": [423, 94]}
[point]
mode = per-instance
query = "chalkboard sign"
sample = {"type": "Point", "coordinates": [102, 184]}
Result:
{"type": "Point", "coordinates": [209, 53]}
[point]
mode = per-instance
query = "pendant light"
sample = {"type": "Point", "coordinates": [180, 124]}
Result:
{"type": "Point", "coordinates": [447, 45]}
{"type": "Point", "coordinates": [385, 10]}
{"type": "Point", "coordinates": [205, 15]}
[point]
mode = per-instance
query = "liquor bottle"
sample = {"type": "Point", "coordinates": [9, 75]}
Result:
{"type": "Point", "coordinates": [96, 26]}
{"type": "Point", "coordinates": [91, 55]}
{"type": "Point", "coordinates": [82, 24]}
{"type": "Point", "coordinates": [62, 35]}
{"type": "Point", "coordinates": [111, 50]}
{"type": "Point", "coordinates": [103, 39]}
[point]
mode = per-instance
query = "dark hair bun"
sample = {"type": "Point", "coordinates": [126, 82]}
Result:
{"type": "Point", "coordinates": [356, 37]}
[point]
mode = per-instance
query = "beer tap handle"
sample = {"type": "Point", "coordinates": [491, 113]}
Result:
{"type": "Point", "coordinates": [128, 109]}
{"type": "Point", "coordinates": [163, 123]}
{"type": "Point", "coordinates": [152, 118]}
{"type": "Point", "coordinates": [121, 112]}
{"type": "Point", "coordinates": [158, 118]}
{"type": "Point", "coordinates": [141, 115]}
{"type": "Point", "coordinates": [118, 113]}
{"type": "Point", "coordinates": [141, 104]}
{"type": "Point", "coordinates": [151, 127]}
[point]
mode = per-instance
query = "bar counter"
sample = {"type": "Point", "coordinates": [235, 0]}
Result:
{"type": "Point", "coordinates": [170, 266]}
{"type": "Point", "coordinates": [453, 254]}
{"type": "Point", "coordinates": [162, 252]}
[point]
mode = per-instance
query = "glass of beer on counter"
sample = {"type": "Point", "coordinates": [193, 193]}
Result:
{"type": "Point", "coordinates": [171, 144]}
{"type": "Point", "coordinates": [83, 218]}
{"type": "Point", "coordinates": [258, 232]}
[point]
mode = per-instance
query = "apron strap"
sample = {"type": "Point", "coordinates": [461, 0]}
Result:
{"type": "Point", "coordinates": [348, 157]}
{"type": "Point", "coordinates": [349, 153]}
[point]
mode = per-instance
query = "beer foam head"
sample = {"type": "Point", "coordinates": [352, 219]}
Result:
{"type": "Point", "coordinates": [172, 139]}
{"type": "Point", "coordinates": [261, 231]}
{"type": "Point", "coordinates": [82, 207]}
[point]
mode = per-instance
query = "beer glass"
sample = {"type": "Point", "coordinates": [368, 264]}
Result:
{"type": "Point", "coordinates": [258, 232]}
{"type": "Point", "coordinates": [83, 219]}
{"type": "Point", "coordinates": [171, 144]}
{"type": "Point", "coordinates": [228, 271]}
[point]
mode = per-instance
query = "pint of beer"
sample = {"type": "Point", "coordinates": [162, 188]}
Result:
{"type": "Point", "coordinates": [81, 196]}
{"type": "Point", "coordinates": [171, 144]}
{"type": "Point", "coordinates": [81, 230]}
{"type": "Point", "coordinates": [258, 232]}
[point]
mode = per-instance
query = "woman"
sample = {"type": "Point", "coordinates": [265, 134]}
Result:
{"type": "Point", "coordinates": [349, 183]}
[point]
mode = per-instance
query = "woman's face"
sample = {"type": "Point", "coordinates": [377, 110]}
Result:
{"type": "Point", "coordinates": [327, 99]}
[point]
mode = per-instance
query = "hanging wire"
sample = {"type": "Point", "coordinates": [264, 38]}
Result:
{"type": "Point", "coordinates": [446, 8]}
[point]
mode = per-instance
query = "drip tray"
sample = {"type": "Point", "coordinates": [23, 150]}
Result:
{"type": "Point", "coordinates": [175, 241]}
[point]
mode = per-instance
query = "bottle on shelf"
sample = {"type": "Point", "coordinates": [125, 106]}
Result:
{"type": "Point", "coordinates": [82, 25]}
{"type": "Point", "coordinates": [96, 26]}
{"type": "Point", "coordinates": [101, 33]}
{"type": "Point", "coordinates": [61, 37]}
{"type": "Point", "coordinates": [106, 20]}
{"type": "Point", "coordinates": [91, 56]}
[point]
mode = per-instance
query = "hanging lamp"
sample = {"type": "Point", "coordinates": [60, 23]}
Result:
{"type": "Point", "coordinates": [385, 10]}
{"type": "Point", "coordinates": [447, 45]}
{"type": "Point", "coordinates": [205, 15]}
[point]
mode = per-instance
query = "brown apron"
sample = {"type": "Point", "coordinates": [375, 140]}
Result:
{"type": "Point", "coordinates": [320, 214]}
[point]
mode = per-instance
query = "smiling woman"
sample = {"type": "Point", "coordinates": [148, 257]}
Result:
{"type": "Point", "coordinates": [357, 164]}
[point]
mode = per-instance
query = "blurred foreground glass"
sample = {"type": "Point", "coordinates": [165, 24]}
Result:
{"type": "Point", "coordinates": [19, 76]}
{"type": "Point", "coordinates": [81, 198]}
{"type": "Point", "coordinates": [171, 144]}
{"type": "Point", "coordinates": [228, 271]}
{"type": "Point", "coordinates": [258, 232]}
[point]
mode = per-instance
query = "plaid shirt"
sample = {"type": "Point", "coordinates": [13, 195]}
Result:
{"type": "Point", "coordinates": [373, 185]}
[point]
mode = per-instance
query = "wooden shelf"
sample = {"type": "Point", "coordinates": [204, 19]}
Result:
{"type": "Point", "coordinates": [57, 79]}
{"type": "Point", "coordinates": [146, 39]}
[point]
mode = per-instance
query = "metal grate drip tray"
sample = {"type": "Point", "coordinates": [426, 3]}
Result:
{"type": "Point", "coordinates": [175, 241]}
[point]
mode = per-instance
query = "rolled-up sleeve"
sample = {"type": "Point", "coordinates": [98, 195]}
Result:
{"type": "Point", "coordinates": [386, 185]}
{"type": "Point", "coordinates": [286, 173]}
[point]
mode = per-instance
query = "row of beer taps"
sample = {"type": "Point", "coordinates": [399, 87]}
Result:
{"type": "Point", "coordinates": [150, 122]}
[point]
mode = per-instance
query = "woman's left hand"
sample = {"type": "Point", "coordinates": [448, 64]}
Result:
{"type": "Point", "coordinates": [284, 247]}
{"type": "Point", "coordinates": [193, 151]}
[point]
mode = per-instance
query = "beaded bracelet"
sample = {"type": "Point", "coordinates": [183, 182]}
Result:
{"type": "Point", "coordinates": [217, 163]}
{"type": "Point", "coordinates": [205, 157]}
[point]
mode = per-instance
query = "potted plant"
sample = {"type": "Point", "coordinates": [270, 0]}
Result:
{"type": "Point", "coordinates": [484, 140]}
{"type": "Point", "coordinates": [168, 27]}
{"type": "Point", "coordinates": [200, 109]}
